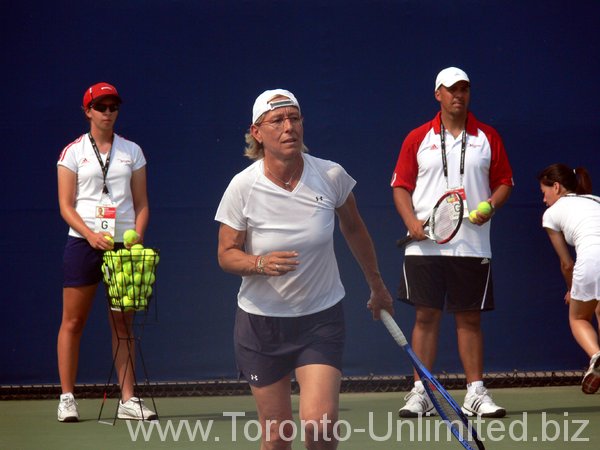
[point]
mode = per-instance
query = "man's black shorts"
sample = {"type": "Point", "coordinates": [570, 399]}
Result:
{"type": "Point", "coordinates": [453, 283]}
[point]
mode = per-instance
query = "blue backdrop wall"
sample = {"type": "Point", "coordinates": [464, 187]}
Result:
{"type": "Point", "coordinates": [189, 72]}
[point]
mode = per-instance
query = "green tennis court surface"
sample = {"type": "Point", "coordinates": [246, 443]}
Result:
{"type": "Point", "coordinates": [545, 418]}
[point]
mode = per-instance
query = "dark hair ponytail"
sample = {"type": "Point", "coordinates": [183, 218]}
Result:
{"type": "Point", "coordinates": [584, 182]}
{"type": "Point", "coordinates": [574, 180]}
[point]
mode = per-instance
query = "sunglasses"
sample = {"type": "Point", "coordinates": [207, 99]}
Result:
{"type": "Point", "coordinates": [101, 107]}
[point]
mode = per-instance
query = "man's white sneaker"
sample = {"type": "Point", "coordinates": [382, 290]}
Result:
{"type": "Point", "coordinates": [417, 404]}
{"type": "Point", "coordinates": [67, 409]}
{"type": "Point", "coordinates": [479, 403]}
{"type": "Point", "coordinates": [591, 380]}
{"type": "Point", "coordinates": [134, 409]}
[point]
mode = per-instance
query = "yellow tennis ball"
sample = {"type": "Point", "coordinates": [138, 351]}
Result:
{"type": "Point", "coordinates": [150, 255]}
{"type": "Point", "coordinates": [473, 216]}
{"type": "Point", "coordinates": [130, 236]}
{"type": "Point", "coordinates": [133, 292]}
{"type": "Point", "coordinates": [137, 278]}
{"type": "Point", "coordinates": [137, 252]}
{"type": "Point", "coordinates": [110, 239]}
{"type": "Point", "coordinates": [123, 255]}
{"type": "Point", "coordinates": [112, 260]}
{"type": "Point", "coordinates": [484, 208]}
{"type": "Point", "coordinates": [128, 268]}
{"type": "Point", "coordinates": [142, 304]}
{"type": "Point", "coordinates": [148, 278]}
{"type": "Point", "coordinates": [127, 303]}
{"type": "Point", "coordinates": [145, 290]}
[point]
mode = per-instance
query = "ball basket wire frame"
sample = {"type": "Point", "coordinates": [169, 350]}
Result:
{"type": "Point", "coordinates": [129, 278]}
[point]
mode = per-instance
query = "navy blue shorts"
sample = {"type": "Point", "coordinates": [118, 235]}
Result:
{"type": "Point", "coordinates": [454, 283]}
{"type": "Point", "coordinates": [269, 348]}
{"type": "Point", "coordinates": [82, 264]}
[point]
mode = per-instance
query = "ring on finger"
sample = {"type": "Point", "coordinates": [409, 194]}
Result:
{"type": "Point", "coordinates": [277, 267]}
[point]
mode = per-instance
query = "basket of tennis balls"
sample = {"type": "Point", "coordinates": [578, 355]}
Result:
{"type": "Point", "coordinates": [129, 275]}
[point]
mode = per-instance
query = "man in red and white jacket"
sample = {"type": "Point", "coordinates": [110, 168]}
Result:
{"type": "Point", "coordinates": [456, 276]}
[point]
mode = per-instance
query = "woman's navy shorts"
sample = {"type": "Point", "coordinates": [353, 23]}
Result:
{"type": "Point", "coordinates": [269, 348]}
{"type": "Point", "coordinates": [82, 264]}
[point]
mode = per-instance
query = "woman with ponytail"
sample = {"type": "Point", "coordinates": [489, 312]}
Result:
{"type": "Point", "coordinates": [573, 218]}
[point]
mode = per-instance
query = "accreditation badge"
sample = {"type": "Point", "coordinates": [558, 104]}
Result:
{"type": "Point", "coordinates": [106, 217]}
{"type": "Point", "coordinates": [463, 195]}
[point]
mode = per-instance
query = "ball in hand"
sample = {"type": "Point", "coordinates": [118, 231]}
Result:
{"type": "Point", "coordinates": [473, 216]}
{"type": "Point", "coordinates": [130, 237]}
{"type": "Point", "coordinates": [484, 208]}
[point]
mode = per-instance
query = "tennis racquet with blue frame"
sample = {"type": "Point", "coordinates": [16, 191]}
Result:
{"type": "Point", "coordinates": [445, 405]}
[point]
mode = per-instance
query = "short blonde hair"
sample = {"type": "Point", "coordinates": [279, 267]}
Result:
{"type": "Point", "coordinates": [254, 150]}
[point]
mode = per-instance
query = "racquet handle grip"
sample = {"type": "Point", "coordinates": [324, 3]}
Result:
{"type": "Point", "coordinates": [393, 327]}
{"type": "Point", "coordinates": [402, 242]}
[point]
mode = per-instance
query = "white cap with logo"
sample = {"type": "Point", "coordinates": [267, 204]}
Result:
{"type": "Point", "coordinates": [450, 76]}
{"type": "Point", "coordinates": [264, 102]}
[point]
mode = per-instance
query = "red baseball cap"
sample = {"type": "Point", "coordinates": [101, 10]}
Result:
{"type": "Point", "coordinates": [97, 91]}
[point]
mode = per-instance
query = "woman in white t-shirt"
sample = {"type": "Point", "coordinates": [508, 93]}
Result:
{"type": "Point", "coordinates": [573, 218]}
{"type": "Point", "coordinates": [277, 220]}
{"type": "Point", "coordinates": [101, 193]}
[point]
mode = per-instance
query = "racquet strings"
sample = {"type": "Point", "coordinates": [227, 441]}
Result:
{"type": "Point", "coordinates": [446, 218]}
{"type": "Point", "coordinates": [459, 425]}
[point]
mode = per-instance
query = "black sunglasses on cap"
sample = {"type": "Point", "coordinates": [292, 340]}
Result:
{"type": "Point", "coordinates": [101, 107]}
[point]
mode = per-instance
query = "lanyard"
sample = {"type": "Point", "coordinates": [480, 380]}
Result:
{"type": "Point", "coordinates": [463, 147]}
{"type": "Point", "coordinates": [103, 166]}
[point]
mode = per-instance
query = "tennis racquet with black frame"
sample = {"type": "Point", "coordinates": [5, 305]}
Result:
{"type": "Point", "coordinates": [443, 402]}
{"type": "Point", "coordinates": [444, 221]}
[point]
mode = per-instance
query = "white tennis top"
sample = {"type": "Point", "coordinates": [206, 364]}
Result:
{"type": "Point", "coordinates": [126, 157]}
{"type": "Point", "coordinates": [578, 218]}
{"type": "Point", "coordinates": [278, 220]}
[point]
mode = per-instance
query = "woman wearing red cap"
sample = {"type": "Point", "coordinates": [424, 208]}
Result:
{"type": "Point", "coordinates": [101, 193]}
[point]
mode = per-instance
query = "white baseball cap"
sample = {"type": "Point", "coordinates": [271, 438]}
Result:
{"type": "Point", "coordinates": [264, 102]}
{"type": "Point", "coordinates": [450, 76]}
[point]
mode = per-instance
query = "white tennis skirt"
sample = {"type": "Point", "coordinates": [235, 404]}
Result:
{"type": "Point", "coordinates": [586, 275]}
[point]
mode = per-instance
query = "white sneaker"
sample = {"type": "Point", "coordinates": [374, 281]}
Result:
{"type": "Point", "coordinates": [67, 409]}
{"type": "Point", "coordinates": [418, 404]}
{"type": "Point", "coordinates": [134, 409]}
{"type": "Point", "coordinates": [591, 380]}
{"type": "Point", "coordinates": [479, 403]}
